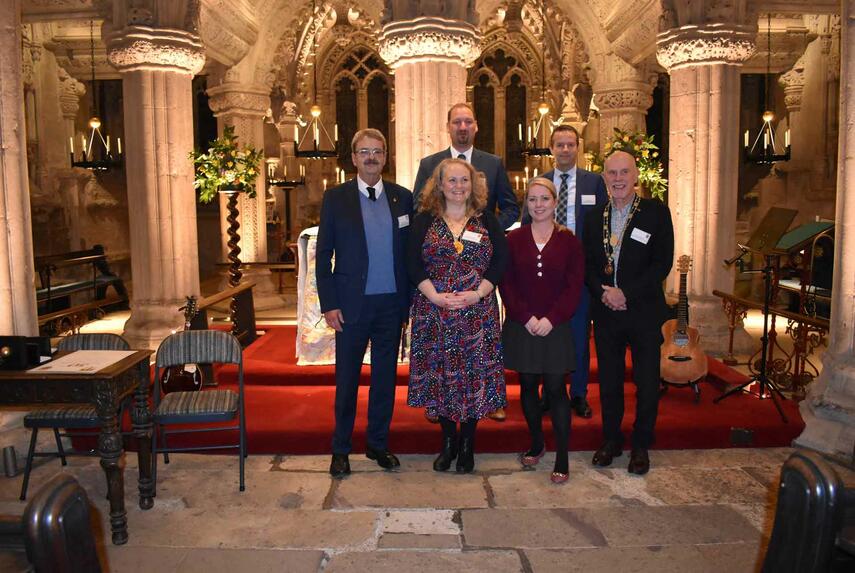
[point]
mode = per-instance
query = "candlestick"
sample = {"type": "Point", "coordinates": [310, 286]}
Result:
{"type": "Point", "coordinates": [119, 144]}
{"type": "Point", "coordinates": [529, 134]}
{"type": "Point", "coordinates": [526, 174]}
{"type": "Point", "coordinates": [787, 138]}
{"type": "Point", "coordinates": [517, 184]}
{"type": "Point", "coordinates": [296, 134]}
{"type": "Point", "coordinates": [335, 131]}
{"type": "Point", "coordinates": [71, 145]}
{"type": "Point", "coordinates": [746, 138]}
{"type": "Point", "coordinates": [519, 129]}
{"type": "Point", "coordinates": [325, 184]}
{"type": "Point", "coordinates": [765, 141]}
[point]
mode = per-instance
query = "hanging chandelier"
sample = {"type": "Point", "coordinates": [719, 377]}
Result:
{"type": "Point", "coordinates": [542, 119]}
{"type": "Point", "coordinates": [315, 141]}
{"type": "Point", "coordinates": [277, 179]}
{"type": "Point", "coordinates": [766, 149]}
{"type": "Point", "coordinates": [96, 153]}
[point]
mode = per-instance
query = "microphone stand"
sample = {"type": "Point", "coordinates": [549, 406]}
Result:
{"type": "Point", "coordinates": [767, 386]}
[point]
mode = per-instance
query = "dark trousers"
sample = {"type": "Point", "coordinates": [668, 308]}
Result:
{"type": "Point", "coordinates": [380, 322]}
{"type": "Point", "coordinates": [611, 338]}
{"type": "Point", "coordinates": [580, 325]}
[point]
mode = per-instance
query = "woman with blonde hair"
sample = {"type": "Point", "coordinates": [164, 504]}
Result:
{"type": "Point", "coordinates": [541, 290]}
{"type": "Point", "coordinates": [457, 255]}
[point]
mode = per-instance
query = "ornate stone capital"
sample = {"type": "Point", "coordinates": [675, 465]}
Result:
{"type": "Point", "coordinates": [70, 92]}
{"type": "Point", "coordinates": [623, 97]}
{"type": "Point", "coordinates": [793, 83]}
{"type": "Point", "coordinates": [429, 39]}
{"type": "Point", "coordinates": [710, 44]}
{"type": "Point", "coordinates": [233, 98]}
{"type": "Point", "coordinates": [143, 48]}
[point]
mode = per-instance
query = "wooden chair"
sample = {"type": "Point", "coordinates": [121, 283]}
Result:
{"type": "Point", "coordinates": [198, 407]}
{"type": "Point", "coordinates": [69, 417]}
{"type": "Point", "coordinates": [808, 517]}
{"type": "Point", "coordinates": [55, 530]}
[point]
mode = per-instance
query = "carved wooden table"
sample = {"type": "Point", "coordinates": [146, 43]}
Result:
{"type": "Point", "coordinates": [105, 390]}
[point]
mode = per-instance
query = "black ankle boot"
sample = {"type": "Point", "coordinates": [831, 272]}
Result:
{"type": "Point", "coordinates": [466, 456]}
{"type": "Point", "coordinates": [449, 452]}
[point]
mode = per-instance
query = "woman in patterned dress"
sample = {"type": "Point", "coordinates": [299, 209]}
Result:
{"type": "Point", "coordinates": [457, 254]}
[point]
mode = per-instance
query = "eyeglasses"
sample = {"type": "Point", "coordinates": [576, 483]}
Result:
{"type": "Point", "coordinates": [366, 152]}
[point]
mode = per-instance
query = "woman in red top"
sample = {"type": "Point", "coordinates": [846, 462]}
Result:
{"type": "Point", "coordinates": [541, 290]}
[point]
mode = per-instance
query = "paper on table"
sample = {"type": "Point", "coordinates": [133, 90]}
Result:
{"type": "Point", "coordinates": [83, 362]}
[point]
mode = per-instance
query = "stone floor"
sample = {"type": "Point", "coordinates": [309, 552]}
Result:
{"type": "Point", "coordinates": [698, 510]}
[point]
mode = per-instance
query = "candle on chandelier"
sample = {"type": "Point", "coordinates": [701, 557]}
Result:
{"type": "Point", "coordinates": [529, 134]}
{"type": "Point", "coordinates": [787, 138]}
{"type": "Point", "coordinates": [535, 172]}
{"type": "Point", "coordinates": [765, 141]}
{"type": "Point", "coordinates": [335, 132]}
{"type": "Point", "coordinates": [519, 130]}
{"type": "Point", "coordinates": [526, 174]}
{"type": "Point", "coordinates": [517, 184]}
{"type": "Point", "coordinates": [107, 144]}
{"type": "Point", "coordinates": [746, 138]}
{"type": "Point", "coordinates": [71, 145]}
{"type": "Point", "coordinates": [325, 184]}
{"type": "Point", "coordinates": [119, 144]}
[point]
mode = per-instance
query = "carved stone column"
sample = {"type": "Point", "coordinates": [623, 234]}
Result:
{"type": "Point", "coordinates": [295, 199]}
{"type": "Point", "coordinates": [244, 108]}
{"type": "Point", "coordinates": [429, 56]}
{"type": "Point", "coordinates": [793, 82]}
{"type": "Point", "coordinates": [703, 164]}
{"type": "Point", "coordinates": [157, 65]}
{"type": "Point", "coordinates": [829, 410]}
{"type": "Point", "coordinates": [623, 105]}
{"type": "Point", "coordinates": [17, 295]}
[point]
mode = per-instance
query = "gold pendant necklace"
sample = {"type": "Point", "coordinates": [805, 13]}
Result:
{"type": "Point", "coordinates": [456, 236]}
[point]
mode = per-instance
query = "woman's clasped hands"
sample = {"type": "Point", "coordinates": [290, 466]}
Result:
{"type": "Point", "coordinates": [455, 300]}
{"type": "Point", "coordinates": [538, 326]}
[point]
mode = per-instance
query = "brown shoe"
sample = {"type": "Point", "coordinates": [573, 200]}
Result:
{"type": "Point", "coordinates": [639, 461]}
{"type": "Point", "coordinates": [498, 415]}
{"type": "Point", "coordinates": [608, 451]}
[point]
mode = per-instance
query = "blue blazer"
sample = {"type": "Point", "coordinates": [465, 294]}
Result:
{"type": "Point", "coordinates": [499, 190]}
{"type": "Point", "coordinates": [342, 233]}
{"type": "Point", "coordinates": [587, 183]}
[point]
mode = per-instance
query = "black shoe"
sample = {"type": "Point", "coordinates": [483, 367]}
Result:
{"type": "Point", "coordinates": [609, 450]}
{"type": "Point", "coordinates": [639, 461]}
{"type": "Point", "coordinates": [340, 466]}
{"type": "Point", "coordinates": [544, 402]}
{"type": "Point", "coordinates": [384, 458]}
{"type": "Point", "coordinates": [465, 456]}
{"type": "Point", "coordinates": [449, 452]}
{"type": "Point", "coordinates": [580, 406]}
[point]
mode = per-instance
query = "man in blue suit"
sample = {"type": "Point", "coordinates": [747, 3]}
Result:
{"type": "Point", "coordinates": [462, 128]}
{"type": "Point", "coordinates": [365, 224]}
{"type": "Point", "coordinates": [579, 192]}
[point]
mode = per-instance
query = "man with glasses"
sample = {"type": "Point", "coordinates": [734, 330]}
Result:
{"type": "Point", "coordinates": [364, 296]}
{"type": "Point", "coordinates": [462, 128]}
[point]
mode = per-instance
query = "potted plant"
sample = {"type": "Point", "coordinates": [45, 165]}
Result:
{"type": "Point", "coordinates": [646, 154]}
{"type": "Point", "coordinates": [227, 168]}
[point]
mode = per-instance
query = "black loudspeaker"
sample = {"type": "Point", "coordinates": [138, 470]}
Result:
{"type": "Point", "coordinates": [22, 352]}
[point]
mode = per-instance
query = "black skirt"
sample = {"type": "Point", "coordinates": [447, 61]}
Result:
{"type": "Point", "coordinates": [550, 354]}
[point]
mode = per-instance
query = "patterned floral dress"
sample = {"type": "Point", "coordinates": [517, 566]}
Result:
{"type": "Point", "coordinates": [456, 367]}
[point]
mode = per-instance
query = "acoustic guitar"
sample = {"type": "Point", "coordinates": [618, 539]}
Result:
{"type": "Point", "coordinates": [187, 377]}
{"type": "Point", "coordinates": [682, 361]}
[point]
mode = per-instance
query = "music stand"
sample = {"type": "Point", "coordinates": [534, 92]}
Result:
{"type": "Point", "coordinates": [764, 241]}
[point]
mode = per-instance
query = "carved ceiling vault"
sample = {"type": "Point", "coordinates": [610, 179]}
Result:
{"type": "Point", "coordinates": [272, 43]}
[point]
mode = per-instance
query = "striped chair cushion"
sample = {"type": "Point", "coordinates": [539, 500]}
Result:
{"type": "Point", "coordinates": [65, 417]}
{"type": "Point", "coordinates": [208, 406]}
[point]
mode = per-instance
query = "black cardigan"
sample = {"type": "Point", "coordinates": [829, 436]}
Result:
{"type": "Point", "coordinates": [419, 229]}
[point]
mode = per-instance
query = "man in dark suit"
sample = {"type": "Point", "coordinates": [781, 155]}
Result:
{"type": "Point", "coordinates": [629, 250]}
{"type": "Point", "coordinates": [364, 224]}
{"type": "Point", "coordinates": [579, 193]}
{"type": "Point", "coordinates": [462, 128]}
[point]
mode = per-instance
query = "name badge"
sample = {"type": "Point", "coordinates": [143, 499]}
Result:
{"type": "Point", "coordinates": [640, 236]}
{"type": "Point", "coordinates": [589, 199]}
{"type": "Point", "coordinates": [403, 221]}
{"type": "Point", "coordinates": [472, 236]}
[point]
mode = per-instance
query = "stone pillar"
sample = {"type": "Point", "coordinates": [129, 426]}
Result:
{"type": "Point", "coordinates": [829, 409]}
{"type": "Point", "coordinates": [244, 107]}
{"type": "Point", "coordinates": [429, 56]}
{"type": "Point", "coordinates": [157, 65]}
{"type": "Point", "coordinates": [704, 160]}
{"type": "Point", "coordinates": [622, 104]}
{"type": "Point", "coordinates": [294, 218]}
{"type": "Point", "coordinates": [17, 277]}
{"type": "Point", "coordinates": [793, 82]}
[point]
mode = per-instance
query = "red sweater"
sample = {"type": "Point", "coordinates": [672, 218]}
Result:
{"type": "Point", "coordinates": [552, 289]}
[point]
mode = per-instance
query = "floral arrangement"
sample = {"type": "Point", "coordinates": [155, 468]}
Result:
{"type": "Point", "coordinates": [225, 166]}
{"type": "Point", "coordinates": [646, 154]}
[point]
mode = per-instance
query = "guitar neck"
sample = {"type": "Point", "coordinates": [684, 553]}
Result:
{"type": "Point", "coordinates": [683, 306]}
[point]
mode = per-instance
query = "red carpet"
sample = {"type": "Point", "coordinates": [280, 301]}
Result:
{"type": "Point", "coordinates": [290, 410]}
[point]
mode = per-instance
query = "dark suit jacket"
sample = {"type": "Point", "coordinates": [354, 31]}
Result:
{"type": "Point", "coordinates": [499, 190]}
{"type": "Point", "coordinates": [587, 183]}
{"type": "Point", "coordinates": [641, 267]}
{"type": "Point", "coordinates": [341, 232]}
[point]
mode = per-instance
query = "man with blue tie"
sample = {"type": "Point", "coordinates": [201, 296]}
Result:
{"type": "Point", "coordinates": [579, 192]}
{"type": "Point", "coordinates": [462, 128]}
{"type": "Point", "coordinates": [364, 224]}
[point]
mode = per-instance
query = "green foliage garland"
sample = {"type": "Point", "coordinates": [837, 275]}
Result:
{"type": "Point", "coordinates": [646, 154]}
{"type": "Point", "coordinates": [225, 166]}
